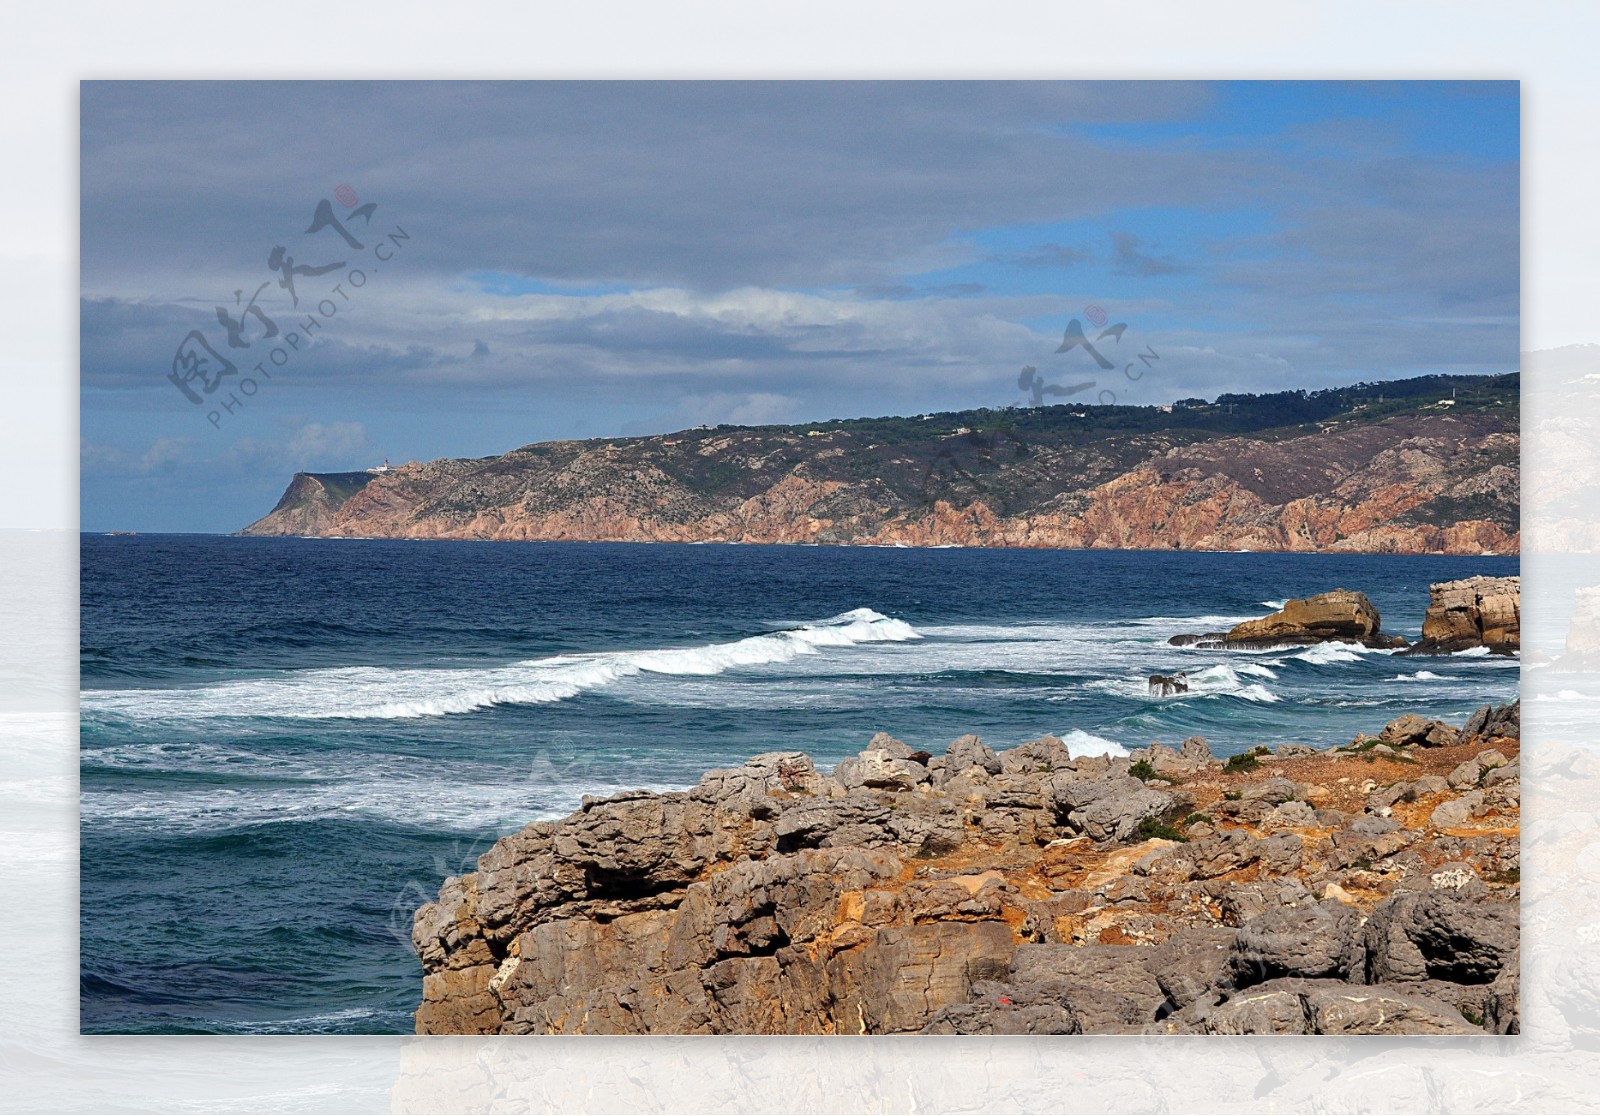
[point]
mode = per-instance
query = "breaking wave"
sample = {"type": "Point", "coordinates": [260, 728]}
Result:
{"type": "Point", "coordinates": [1220, 680]}
{"type": "Point", "coordinates": [381, 692]}
{"type": "Point", "coordinates": [1335, 652]}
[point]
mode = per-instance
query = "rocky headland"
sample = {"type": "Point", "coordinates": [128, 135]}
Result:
{"type": "Point", "coordinates": [1372, 468]}
{"type": "Point", "coordinates": [1366, 889]}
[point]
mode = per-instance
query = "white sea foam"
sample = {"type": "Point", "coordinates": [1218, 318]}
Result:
{"type": "Point", "coordinates": [1169, 625]}
{"type": "Point", "coordinates": [1325, 653]}
{"type": "Point", "coordinates": [1421, 676]}
{"type": "Point", "coordinates": [1563, 696]}
{"type": "Point", "coordinates": [1257, 670]}
{"type": "Point", "coordinates": [1472, 652]}
{"type": "Point", "coordinates": [1220, 680]}
{"type": "Point", "coordinates": [386, 793]}
{"type": "Point", "coordinates": [1224, 679]}
{"type": "Point", "coordinates": [1080, 743]}
{"type": "Point", "coordinates": [1274, 605]}
{"type": "Point", "coordinates": [380, 692]}
{"type": "Point", "coordinates": [343, 1020]}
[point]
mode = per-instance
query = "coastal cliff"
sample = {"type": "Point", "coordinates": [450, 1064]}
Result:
{"type": "Point", "coordinates": [1369, 889]}
{"type": "Point", "coordinates": [1385, 468]}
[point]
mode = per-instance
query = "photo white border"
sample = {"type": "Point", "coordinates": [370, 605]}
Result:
{"type": "Point", "coordinates": [46, 1066]}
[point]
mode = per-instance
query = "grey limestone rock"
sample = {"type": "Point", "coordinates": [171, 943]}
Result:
{"type": "Point", "coordinates": [1439, 934]}
{"type": "Point", "coordinates": [1109, 809]}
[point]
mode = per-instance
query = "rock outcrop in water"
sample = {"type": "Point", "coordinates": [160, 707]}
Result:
{"type": "Point", "coordinates": [1377, 468]}
{"type": "Point", "coordinates": [1367, 890]}
{"type": "Point", "coordinates": [1462, 615]}
{"type": "Point", "coordinates": [1165, 685]}
{"type": "Point", "coordinates": [1339, 615]}
{"type": "Point", "coordinates": [1470, 613]}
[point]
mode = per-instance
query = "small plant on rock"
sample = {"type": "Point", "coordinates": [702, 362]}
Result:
{"type": "Point", "coordinates": [1155, 827]}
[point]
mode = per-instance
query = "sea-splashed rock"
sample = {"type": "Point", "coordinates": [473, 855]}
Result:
{"type": "Point", "coordinates": [1165, 685]}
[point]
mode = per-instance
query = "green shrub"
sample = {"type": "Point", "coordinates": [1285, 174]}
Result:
{"type": "Point", "coordinates": [1142, 770]}
{"type": "Point", "coordinates": [1245, 761]}
{"type": "Point", "coordinates": [1155, 827]}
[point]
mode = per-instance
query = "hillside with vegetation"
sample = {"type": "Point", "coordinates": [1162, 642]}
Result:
{"type": "Point", "coordinates": [1429, 464]}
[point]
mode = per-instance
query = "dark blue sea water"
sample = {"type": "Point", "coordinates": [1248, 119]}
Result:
{"type": "Point", "coordinates": [288, 743]}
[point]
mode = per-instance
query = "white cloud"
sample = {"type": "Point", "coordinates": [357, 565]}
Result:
{"type": "Point", "coordinates": [98, 457]}
{"type": "Point", "coordinates": [316, 442]}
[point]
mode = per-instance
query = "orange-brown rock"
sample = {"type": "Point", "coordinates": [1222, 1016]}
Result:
{"type": "Point", "coordinates": [1366, 889]}
{"type": "Point", "coordinates": [1339, 614]}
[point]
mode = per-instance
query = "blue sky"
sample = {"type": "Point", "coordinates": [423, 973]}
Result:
{"type": "Point", "coordinates": [569, 260]}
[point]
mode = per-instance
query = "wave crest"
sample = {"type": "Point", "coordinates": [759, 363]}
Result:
{"type": "Point", "coordinates": [389, 693]}
{"type": "Point", "coordinates": [1220, 680]}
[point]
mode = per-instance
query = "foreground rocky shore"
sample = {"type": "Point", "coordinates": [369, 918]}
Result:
{"type": "Point", "coordinates": [1370, 889]}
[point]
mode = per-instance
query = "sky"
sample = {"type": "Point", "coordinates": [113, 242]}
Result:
{"type": "Point", "coordinates": [449, 269]}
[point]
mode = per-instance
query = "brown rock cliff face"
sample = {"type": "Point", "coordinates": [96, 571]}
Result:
{"type": "Point", "coordinates": [1416, 483]}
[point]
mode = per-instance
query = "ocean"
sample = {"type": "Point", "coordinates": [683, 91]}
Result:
{"type": "Point", "coordinates": [288, 743]}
